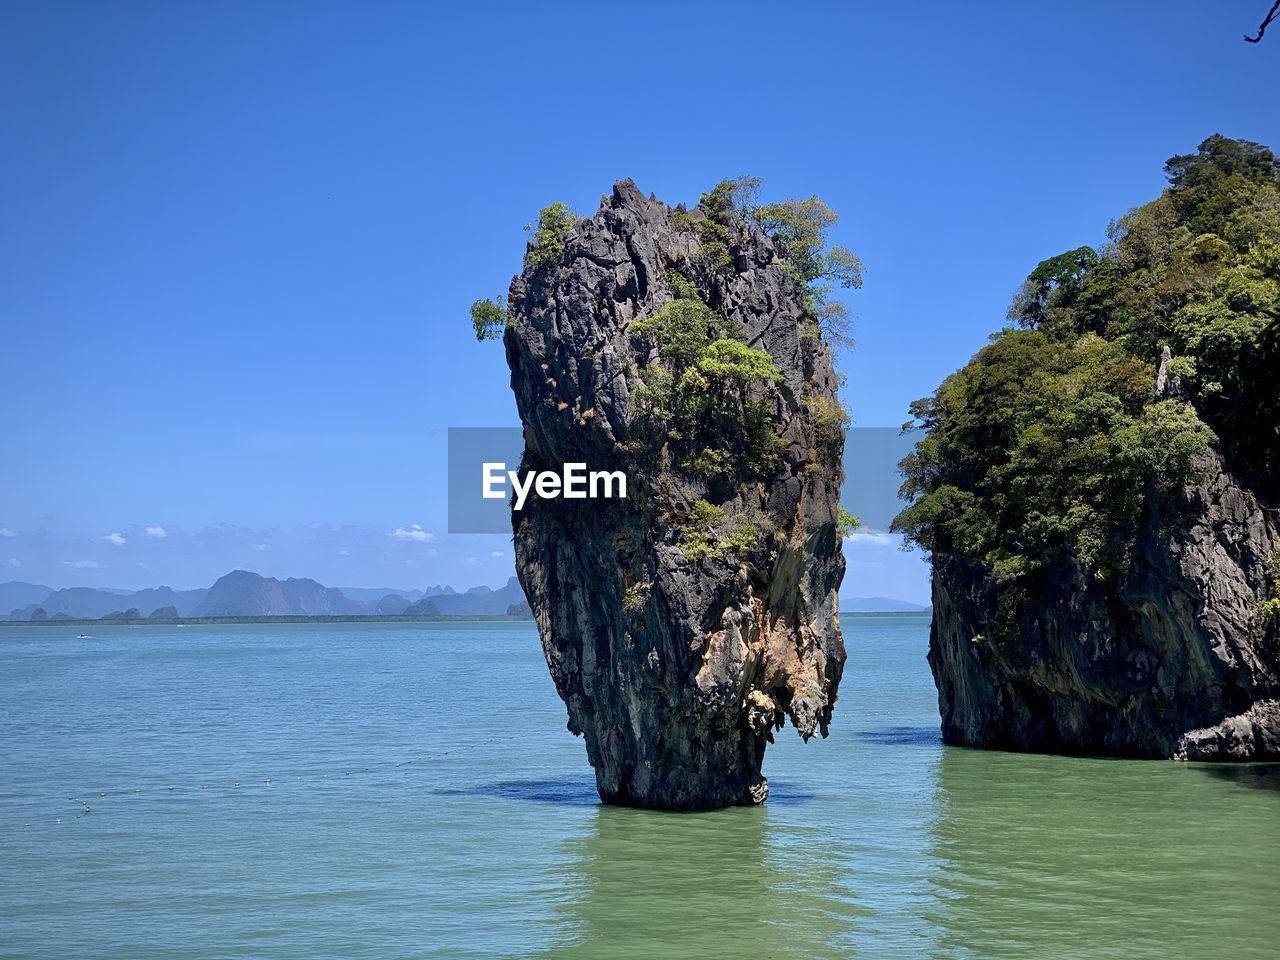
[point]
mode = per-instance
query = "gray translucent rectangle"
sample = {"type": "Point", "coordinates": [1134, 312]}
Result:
{"type": "Point", "coordinates": [870, 491]}
{"type": "Point", "coordinates": [871, 475]}
{"type": "Point", "coordinates": [470, 448]}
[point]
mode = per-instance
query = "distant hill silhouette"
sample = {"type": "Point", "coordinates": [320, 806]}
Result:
{"type": "Point", "coordinates": [372, 595]}
{"type": "Point", "coordinates": [481, 600]}
{"type": "Point", "coordinates": [89, 603]}
{"type": "Point", "coordinates": [880, 605]}
{"type": "Point", "coordinates": [130, 614]}
{"type": "Point", "coordinates": [393, 604]}
{"type": "Point", "coordinates": [243, 593]}
{"type": "Point", "coordinates": [19, 594]}
{"type": "Point", "coordinates": [422, 608]}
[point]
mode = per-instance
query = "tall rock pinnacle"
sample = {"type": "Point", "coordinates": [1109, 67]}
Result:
{"type": "Point", "coordinates": [684, 623]}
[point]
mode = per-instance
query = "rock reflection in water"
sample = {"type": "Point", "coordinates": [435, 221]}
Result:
{"type": "Point", "coordinates": [1042, 856]}
{"type": "Point", "coordinates": [732, 883]}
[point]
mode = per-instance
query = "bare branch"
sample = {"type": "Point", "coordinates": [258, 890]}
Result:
{"type": "Point", "coordinates": [1262, 27]}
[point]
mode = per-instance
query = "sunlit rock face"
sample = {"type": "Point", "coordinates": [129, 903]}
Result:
{"type": "Point", "coordinates": [676, 668]}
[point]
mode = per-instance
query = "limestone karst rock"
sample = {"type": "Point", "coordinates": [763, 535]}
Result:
{"type": "Point", "coordinates": [683, 623]}
{"type": "Point", "coordinates": [1178, 660]}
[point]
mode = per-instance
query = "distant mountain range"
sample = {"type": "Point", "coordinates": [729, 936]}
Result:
{"type": "Point", "coordinates": [880, 605]}
{"type": "Point", "coordinates": [245, 594]}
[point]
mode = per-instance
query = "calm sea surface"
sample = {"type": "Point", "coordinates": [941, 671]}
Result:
{"type": "Point", "coordinates": [409, 790]}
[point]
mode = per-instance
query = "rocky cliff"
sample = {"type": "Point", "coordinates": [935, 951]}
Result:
{"type": "Point", "coordinates": [1180, 659]}
{"type": "Point", "coordinates": [683, 624]}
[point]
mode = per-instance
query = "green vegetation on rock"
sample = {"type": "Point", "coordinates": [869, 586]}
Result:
{"type": "Point", "coordinates": [710, 531]}
{"type": "Point", "coordinates": [1048, 444]}
{"type": "Point", "coordinates": [547, 245]}
{"type": "Point", "coordinates": [682, 328]}
{"type": "Point", "coordinates": [489, 318]}
{"type": "Point", "coordinates": [799, 228]}
{"type": "Point", "coordinates": [829, 418]}
{"type": "Point", "coordinates": [731, 366]}
{"type": "Point", "coordinates": [1271, 600]}
{"type": "Point", "coordinates": [1197, 270]}
{"type": "Point", "coordinates": [700, 392]}
{"type": "Point", "coordinates": [846, 522]}
{"type": "Point", "coordinates": [1041, 447]}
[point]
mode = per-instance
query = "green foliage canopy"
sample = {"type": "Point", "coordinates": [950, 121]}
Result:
{"type": "Point", "coordinates": [554, 222]}
{"type": "Point", "coordinates": [1197, 270]}
{"type": "Point", "coordinates": [1038, 449]}
{"type": "Point", "coordinates": [680, 330]}
{"type": "Point", "coordinates": [799, 227]}
{"type": "Point", "coordinates": [846, 523]}
{"type": "Point", "coordinates": [709, 531]}
{"type": "Point", "coordinates": [489, 318]}
{"type": "Point", "coordinates": [700, 391]}
{"type": "Point", "coordinates": [734, 365]}
{"type": "Point", "coordinates": [1047, 443]}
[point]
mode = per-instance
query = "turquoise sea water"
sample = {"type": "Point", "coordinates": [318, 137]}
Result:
{"type": "Point", "coordinates": [409, 790]}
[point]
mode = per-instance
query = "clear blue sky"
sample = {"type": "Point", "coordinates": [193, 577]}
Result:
{"type": "Point", "coordinates": [238, 241]}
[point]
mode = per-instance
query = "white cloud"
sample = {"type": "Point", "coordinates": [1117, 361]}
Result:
{"type": "Point", "coordinates": [81, 564]}
{"type": "Point", "coordinates": [6, 532]}
{"type": "Point", "coordinates": [870, 535]}
{"type": "Point", "coordinates": [115, 538]}
{"type": "Point", "coordinates": [344, 553]}
{"type": "Point", "coordinates": [156, 533]}
{"type": "Point", "coordinates": [14, 562]}
{"type": "Point", "coordinates": [412, 532]}
{"type": "Point", "coordinates": [497, 553]}
{"type": "Point", "coordinates": [471, 560]}
{"type": "Point", "coordinates": [260, 546]}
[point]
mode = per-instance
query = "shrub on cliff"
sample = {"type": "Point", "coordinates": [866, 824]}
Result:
{"type": "Point", "coordinates": [489, 318]}
{"type": "Point", "coordinates": [846, 523]}
{"type": "Point", "coordinates": [547, 245]}
{"type": "Point", "coordinates": [711, 531]}
{"type": "Point", "coordinates": [700, 392]}
{"type": "Point", "coordinates": [682, 328]}
{"type": "Point", "coordinates": [799, 228]}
